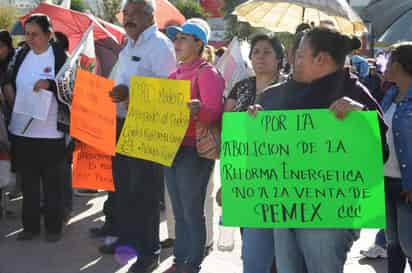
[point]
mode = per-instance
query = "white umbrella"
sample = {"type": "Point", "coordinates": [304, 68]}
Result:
{"type": "Point", "coordinates": [285, 16]}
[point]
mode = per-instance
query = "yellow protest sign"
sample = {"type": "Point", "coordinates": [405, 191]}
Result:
{"type": "Point", "coordinates": [157, 119]}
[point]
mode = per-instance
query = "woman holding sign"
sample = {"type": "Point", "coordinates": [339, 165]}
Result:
{"type": "Point", "coordinates": [397, 105]}
{"type": "Point", "coordinates": [266, 55]}
{"type": "Point", "coordinates": [189, 174]}
{"type": "Point", "coordinates": [319, 82]}
{"type": "Point", "coordinates": [38, 143]}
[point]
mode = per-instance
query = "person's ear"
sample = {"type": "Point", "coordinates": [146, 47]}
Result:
{"type": "Point", "coordinates": [321, 59]}
{"type": "Point", "coordinates": [199, 43]}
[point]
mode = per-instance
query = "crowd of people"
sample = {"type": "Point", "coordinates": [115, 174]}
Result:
{"type": "Point", "coordinates": [321, 69]}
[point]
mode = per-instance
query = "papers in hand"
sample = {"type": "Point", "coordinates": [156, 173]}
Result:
{"type": "Point", "coordinates": [34, 104]}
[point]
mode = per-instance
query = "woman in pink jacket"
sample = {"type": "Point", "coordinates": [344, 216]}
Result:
{"type": "Point", "coordinates": [187, 178]}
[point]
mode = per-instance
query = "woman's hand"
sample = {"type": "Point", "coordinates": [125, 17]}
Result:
{"type": "Point", "coordinates": [41, 84]}
{"type": "Point", "coordinates": [344, 106]}
{"type": "Point", "coordinates": [253, 109]}
{"type": "Point", "coordinates": [194, 106]}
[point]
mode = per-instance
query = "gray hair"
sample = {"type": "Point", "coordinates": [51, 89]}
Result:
{"type": "Point", "coordinates": [149, 5]}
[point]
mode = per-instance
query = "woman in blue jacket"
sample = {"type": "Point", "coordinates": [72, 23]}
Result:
{"type": "Point", "coordinates": [397, 105]}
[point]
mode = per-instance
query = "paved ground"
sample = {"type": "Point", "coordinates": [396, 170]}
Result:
{"type": "Point", "coordinates": [76, 252]}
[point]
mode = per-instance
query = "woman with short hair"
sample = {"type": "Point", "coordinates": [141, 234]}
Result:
{"type": "Point", "coordinates": [266, 55]}
{"type": "Point", "coordinates": [38, 145]}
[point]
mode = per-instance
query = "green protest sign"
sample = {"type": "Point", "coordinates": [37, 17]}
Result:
{"type": "Point", "coordinates": [302, 169]}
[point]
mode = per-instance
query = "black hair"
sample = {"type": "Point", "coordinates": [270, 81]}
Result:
{"type": "Point", "coordinates": [402, 54]}
{"type": "Point", "coordinates": [303, 26]}
{"type": "Point", "coordinates": [62, 40]}
{"type": "Point", "coordinates": [220, 51]}
{"type": "Point", "coordinates": [6, 39]}
{"type": "Point", "coordinates": [296, 40]}
{"type": "Point", "coordinates": [42, 20]}
{"type": "Point", "coordinates": [355, 43]}
{"type": "Point", "coordinates": [273, 41]}
{"type": "Point", "coordinates": [337, 45]}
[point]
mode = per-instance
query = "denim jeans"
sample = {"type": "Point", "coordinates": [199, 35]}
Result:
{"type": "Point", "coordinates": [313, 250]}
{"type": "Point", "coordinates": [380, 238]}
{"type": "Point", "coordinates": [187, 181]}
{"type": "Point", "coordinates": [257, 250]}
{"type": "Point", "coordinates": [137, 203]}
{"type": "Point", "coordinates": [398, 227]}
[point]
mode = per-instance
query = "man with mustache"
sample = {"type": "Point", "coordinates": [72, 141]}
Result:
{"type": "Point", "coordinates": [147, 53]}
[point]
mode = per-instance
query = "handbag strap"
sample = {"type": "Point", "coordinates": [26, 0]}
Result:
{"type": "Point", "coordinates": [195, 81]}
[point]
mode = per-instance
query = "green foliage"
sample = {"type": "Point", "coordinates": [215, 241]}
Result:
{"type": "Point", "coordinates": [8, 16]}
{"type": "Point", "coordinates": [79, 5]}
{"type": "Point", "coordinates": [57, 2]}
{"type": "Point", "coordinates": [230, 5]}
{"type": "Point", "coordinates": [233, 26]}
{"type": "Point", "coordinates": [191, 9]}
{"type": "Point", "coordinates": [110, 9]}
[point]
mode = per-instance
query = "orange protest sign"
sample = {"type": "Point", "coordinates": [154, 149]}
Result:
{"type": "Point", "coordinates": [91, 169]}
{"type": "Point", "coordinates": [93, 114]}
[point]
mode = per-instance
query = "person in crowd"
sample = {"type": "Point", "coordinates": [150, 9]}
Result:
{"type": "Point", "coordinates": [38, 146]}
{"type": "Point", "coordinates": [107, 230]}
{"type": "Point", "coordinates": [319, 81]}
{"type": "Point", "coordinates": [6, 54]}
{"type": "Point", "coordinates": [266, 55]}
{"type": "Point", "coordinates": [374, 83]}
{"type": "Point", "coordinates": [360, 65]}
{"type": "Point", "coordinates": [219, 53]}
{"type": "Point", "coordinates": [209, 56]}
{"type": "Point", "coordinates": [137, 203]}
{"type": "Point", "coordinates": [292, 52]}
{"type": "Point", "coordinates": [63, 41]}
{"type": "Point", "coordinates": [189, 174]}
{"type": "Point", "coordinates": [397, 106]}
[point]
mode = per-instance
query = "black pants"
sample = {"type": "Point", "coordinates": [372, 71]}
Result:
{"type": "Point", "coordinates": [52, 184]}
{"type": "Point", "coordinates": [137, 202]}
{"type": "Point", "coordinates": [67, 184]}
{"type": "Point", "coordinates": [108, 211]}
{"type": "Point", "coordinates": [41, 161]}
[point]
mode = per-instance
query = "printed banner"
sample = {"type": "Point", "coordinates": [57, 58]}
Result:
{"type": "Point", "coordinates": [302, 169]}
{"type": "Point", "coordinates": [93, 114]}
{"type": "Point", "coordinates": [157, 119]}
{"type": "Point", "coordinates": [92, 169]}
